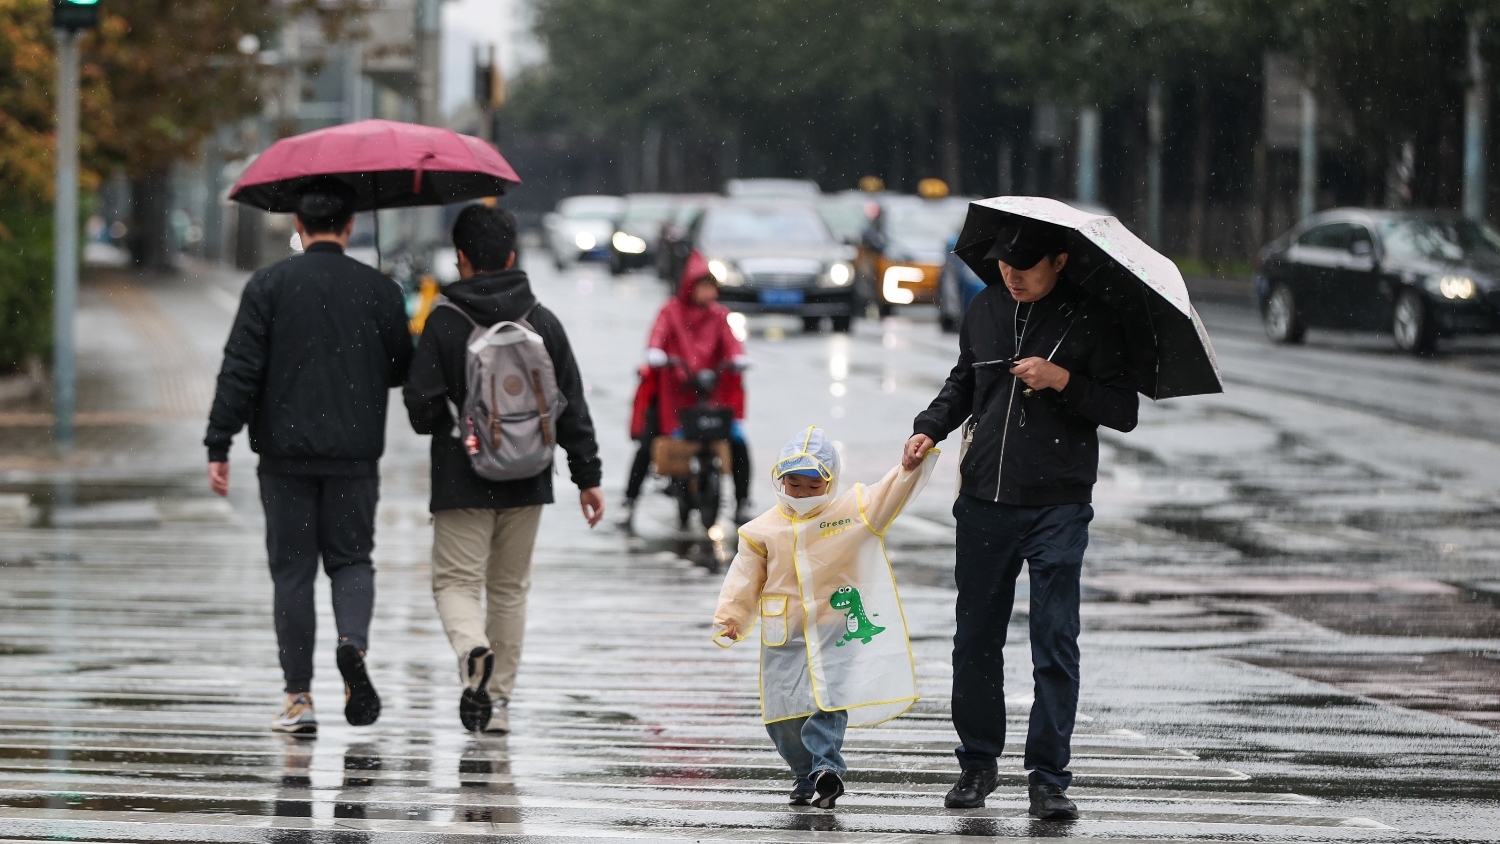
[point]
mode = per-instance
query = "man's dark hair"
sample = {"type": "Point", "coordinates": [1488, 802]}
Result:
{"type": "Point", "coordinates": [486, 236]}
{"type": "Point", "coordinates": [325, 205]}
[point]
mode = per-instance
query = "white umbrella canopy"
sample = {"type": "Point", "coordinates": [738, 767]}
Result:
{"type": "Point", "coordinates": [1170, 351]}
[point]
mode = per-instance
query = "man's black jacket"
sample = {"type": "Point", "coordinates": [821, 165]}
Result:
{"type": "Point", "coordinates": [437, 377]}
{"type": "Point", "coordinates": [317, 344]}
{"type": "Point", "coordinates": [1041, 449]}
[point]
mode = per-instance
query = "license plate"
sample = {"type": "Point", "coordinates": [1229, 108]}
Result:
{"type": "Point", "coordinates": [781, 297]}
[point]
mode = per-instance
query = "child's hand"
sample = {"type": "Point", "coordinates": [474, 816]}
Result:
{"type": "Point", "coordinates": [730, 632]}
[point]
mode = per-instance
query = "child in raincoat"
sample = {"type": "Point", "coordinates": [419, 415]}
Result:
{"type": "Point", "coordinates": [834, 648]}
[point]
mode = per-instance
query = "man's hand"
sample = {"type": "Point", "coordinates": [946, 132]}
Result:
{"type": "Point", "coordinates": [916, 449]}
{"type": "Point", "coordinates": [1040, 374]}
{"type": "Point", "coordinates": [218, 478]}
{"type": "Point", "coordinates": [592, 502]}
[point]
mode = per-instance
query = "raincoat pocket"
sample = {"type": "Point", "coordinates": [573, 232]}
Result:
{"type": "Point", "coordinates": [773, 626]}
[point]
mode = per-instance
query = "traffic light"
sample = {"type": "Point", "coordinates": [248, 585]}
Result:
{"type": "Point", "coordinates": [75, 14]}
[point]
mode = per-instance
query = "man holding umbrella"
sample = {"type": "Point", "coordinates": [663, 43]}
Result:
{"type": "Point", "coordinates": [317, 344]}
{"type": "Point", "coordinates": [1042, 363]}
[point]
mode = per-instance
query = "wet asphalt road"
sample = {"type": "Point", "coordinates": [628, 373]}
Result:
{"type": "Point", "coordinates": [1290, 622]}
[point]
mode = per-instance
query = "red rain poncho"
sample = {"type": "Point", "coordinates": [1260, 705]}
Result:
{"type": "Point", "coordinates": [701, 339]}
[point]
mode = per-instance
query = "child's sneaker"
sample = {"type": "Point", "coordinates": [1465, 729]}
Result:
{"type": "Point", "coordinates": [802, 793]}
{"type": "Point", "coordinates": [297, 717]}
{"type": "Point", "coordinates": [828, 787]}
{"type": "Point", "coordinates": [474, 702]}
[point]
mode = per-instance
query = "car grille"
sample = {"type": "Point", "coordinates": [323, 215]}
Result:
{"type": "Point", "coordinates": [780, 279]}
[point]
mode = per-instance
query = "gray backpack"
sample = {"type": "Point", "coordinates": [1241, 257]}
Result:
{"type": "Point", "coordinates": [508, 424]}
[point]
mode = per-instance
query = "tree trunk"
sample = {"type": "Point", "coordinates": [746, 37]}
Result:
{"type": "Point", "coordinates": [1202, 149]}
{"type": "Point", "coordinates": [150, 196]}
{"type": "Point", "coordinates": [947, 97]}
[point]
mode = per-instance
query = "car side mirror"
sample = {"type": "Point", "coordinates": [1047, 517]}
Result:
{"type": "Point", "coordinates": [1361, 248]}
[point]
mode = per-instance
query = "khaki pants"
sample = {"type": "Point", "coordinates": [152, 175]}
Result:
{"type": "Point", "coordinates": [485, 552]}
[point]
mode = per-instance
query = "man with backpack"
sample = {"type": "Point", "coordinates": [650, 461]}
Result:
{"type": "Point", "coordinates": [317, 344]}
{"type": "Point", "coordinates": [495, 384]}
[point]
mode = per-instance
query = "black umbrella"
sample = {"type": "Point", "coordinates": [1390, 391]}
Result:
{"type": "Point", "coordinates": [1169, 348]}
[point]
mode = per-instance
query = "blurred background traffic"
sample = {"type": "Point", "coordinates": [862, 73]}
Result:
{"type": "Point", "coordinates": [819, 153]}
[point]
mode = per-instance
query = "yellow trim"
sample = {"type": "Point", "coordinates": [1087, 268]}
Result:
{"type": "Point", "coordinates": [786, 629]}
{"type": "Point", "coordinates": [789, 717]}
{"type": "Point", "coordinates": [732, 642]}
{"type": "Point", "coordinates": [754, 546]}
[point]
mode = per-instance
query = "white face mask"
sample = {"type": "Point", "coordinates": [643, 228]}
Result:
{"type": "Point", "coordinates": [802, 506]}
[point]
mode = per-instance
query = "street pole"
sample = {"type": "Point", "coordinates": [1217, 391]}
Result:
{"type": "Point", "coordinates": [1154, 121]}
{"type": "Point", "coordinates": [65, 241]}
{"type": "Point", "coordinates": [1088, 154]}
{"type": "Point", "coordinates": [1307, 178]}
{"type": "Point", "coordinates": [1476, 127]}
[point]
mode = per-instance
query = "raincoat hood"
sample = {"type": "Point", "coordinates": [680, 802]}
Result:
{"type": "Point", "coordinates": [810, 450]}
{"type": "Point", "coordinates": [695, 269]}
{"type": "Point", "coordinates": [492, 297]}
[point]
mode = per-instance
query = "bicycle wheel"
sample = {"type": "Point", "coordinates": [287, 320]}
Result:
{"type": "Point", "coordinates": [709, 475]}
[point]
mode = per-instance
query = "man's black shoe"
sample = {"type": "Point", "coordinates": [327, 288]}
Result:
{"type": "Point", "coordinates": [1049, 801]}
{"type": "Point", "coordinates": [361, 702]}
{"type": "Point", "coordinates": [802, 794]}
{"type": "Point", "coordinates": [971, 789]}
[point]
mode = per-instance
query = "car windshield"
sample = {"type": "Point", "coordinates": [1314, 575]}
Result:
{"type": "Point", "coordinates": [590, 208]}
{"type": "Point", "coordinates": [794, 225]}
{"type": "Point", "coordinates": [1438, 239]}
{"type": "Point", "coordinates": [931, 222]}
{"type": "Point", "coordinates": [847, 220]}
{"type": "Point", "coordinates": [647, 216]}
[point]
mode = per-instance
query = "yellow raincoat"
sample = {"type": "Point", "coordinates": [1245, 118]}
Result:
{"type": "Point", "coordinates": [833, 635]}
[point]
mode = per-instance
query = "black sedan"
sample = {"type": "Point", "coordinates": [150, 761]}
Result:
{"type": "Point", "coordinates": [1419, 274]}
{"type": "Point", "coordinates": [777, 257]}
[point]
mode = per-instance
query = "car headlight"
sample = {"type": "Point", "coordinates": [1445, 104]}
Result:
{"type": "Point", "coordinates": [628, 244]}
{"type": "Point", "coordinates": [839, 274]}
{"type": "Point", "coordinates": [1453, 287]}
{"type": "Point", "coordinates": [584, 241]}
{"type": "Point", "coordinates": [725, 273]}
{"type": "Point", "coordinates": [890, 284]}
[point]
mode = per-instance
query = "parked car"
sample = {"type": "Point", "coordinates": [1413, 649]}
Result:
{"type": "Point", "coordinates": [1420, 275]}
{"type": "Point", "coordinates": [580, 228]}
{"type": "Point", "coordinates": [848, 214]}
{"type": "Point", "coordinates": [638, 230]}
{"type": "Point", "coordinates": [777, 258]}
{"type": "Point", "coordinates": [903, 250]}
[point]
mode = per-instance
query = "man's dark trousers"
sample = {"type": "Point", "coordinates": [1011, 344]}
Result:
{"type": "Point", "coordinates": [308, 516]}
{"type": "Point", "coordinates": [993, 540]}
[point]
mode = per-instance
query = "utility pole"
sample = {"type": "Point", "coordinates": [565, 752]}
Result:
{"type": "Point", "coordinates": [1154, 123]}
{"type": "Point", "coordinates": [1476, 126]}
{"type": "Point", "coordinates": [1307, 159]}
{"type": "Point", "coordinates": [69, 18]}
{"type": "Point", "coordinates": [1088, 155]}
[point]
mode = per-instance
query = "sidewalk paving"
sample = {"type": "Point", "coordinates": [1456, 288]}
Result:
{"type": "Point", "coordinates": [138, 674]}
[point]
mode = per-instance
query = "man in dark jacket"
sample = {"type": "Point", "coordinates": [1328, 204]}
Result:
{"type": "Point", "coordinates": [484, 531]}
{"type": "Point", "coordinates": [1041, 365]}
{"type": "Point", "coordinates": [317, 344]}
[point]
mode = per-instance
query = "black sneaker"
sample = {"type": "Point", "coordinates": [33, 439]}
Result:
{"type": "Point", "coordinates": [626, 521]}
{"type": "Point", "coordinates": [828, 788]}
{"type": "Point", "coordinates": [802, 794]}
{"type": "Point", "coordinates": [971, 789]}
{"type": "Point", "coordinates": [1049, 801]}
{"type": "Point", "coordinates": [361, 701]}
{"type": "Point", "coordinates": [474, 702]}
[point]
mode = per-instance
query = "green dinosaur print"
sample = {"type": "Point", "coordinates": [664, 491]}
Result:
{"type": "Point", "coordinates": [856, 624]}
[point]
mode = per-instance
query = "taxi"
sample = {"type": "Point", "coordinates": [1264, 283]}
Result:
{"type": "Point", "coordinates": [902, 252]}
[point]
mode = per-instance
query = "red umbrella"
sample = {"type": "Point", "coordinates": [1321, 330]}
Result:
{"type": "Point", "coordinates": [388, 164]}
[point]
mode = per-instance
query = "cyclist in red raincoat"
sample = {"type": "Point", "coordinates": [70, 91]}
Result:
{"type": "Point", "coordinates": [691, 333]}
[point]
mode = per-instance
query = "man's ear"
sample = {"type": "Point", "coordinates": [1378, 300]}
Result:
{"type": "Point", "coordinates": [511, 261]}
{"type": "Point", "coordinates": [465, 266]}
{"type": "Point", "coordinates": [348, 231]}
{"type": "Point", "coordinates": [1061, 260]}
